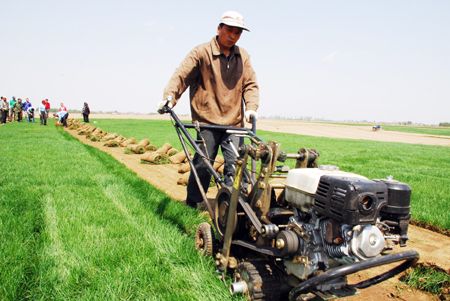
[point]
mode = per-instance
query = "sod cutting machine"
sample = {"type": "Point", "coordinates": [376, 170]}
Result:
{"type": "Point", "coordinates": [298, 233]}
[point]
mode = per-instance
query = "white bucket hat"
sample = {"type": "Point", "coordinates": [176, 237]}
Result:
{"type": "Point", "coordinates": [233, 18]}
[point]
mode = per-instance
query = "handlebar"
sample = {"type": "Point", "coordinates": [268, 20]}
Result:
{"type": "Point", "coordinates": [253, 121]}
{"type": "Point", "coordinates": [240, 130]}
{"type": "Point", "coordinates": [165, 108]}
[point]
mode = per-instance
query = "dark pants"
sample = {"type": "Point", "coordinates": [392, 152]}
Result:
{"type": "Point", "coordinates": [30, 117]}
{"type": "Point", "coordinates": [213, 139]}
{"type": "Point", "coordinates": [64, 120]}
{"type": "Point", "coordinates": [43, 117]}
{"type": "Point", "coordinates": [4, 116]}
{"type": "Point", "coordinates": [86, 117]}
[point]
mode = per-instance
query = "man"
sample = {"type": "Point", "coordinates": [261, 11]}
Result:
{"type": "Point", "coordinates": [62, 117]}
{"type": "Point", "coordinates": [12, 113]}
{"type": "Point", "coordinates": [47, 106]}
{"type": "Point", "coordinates": [26, 106]}
{"type": "Point", "coordinates": [4, 107]}
{"type": "Point", "coordinates": [18, 110]}
{"type": "Point", "coordinates": [222, 87]}
{"type": "Point", "coordinates": [43, 113]}
{"type": "Point", "coordinates": [62, 107]}
{"type": "Point", "coordinates": [85, 111]}
{"type": "Point", "coordinates": [30, 114]}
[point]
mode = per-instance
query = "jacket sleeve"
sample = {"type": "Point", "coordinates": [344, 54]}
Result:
{"type": "Point", "coordinates": [183, 77]}
{"type": "Point", "coordinates": [250, 88]}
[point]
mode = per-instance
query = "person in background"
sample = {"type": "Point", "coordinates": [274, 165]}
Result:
{"type": "Point", "coordinates": [62, 117]}
{"type": "Point", "coordinates": [47, 109]}
{"type": "Point", "coordinates": [25, 108]}
{"type": "Point", "coordinates": [27, 104]}
{"type": "Point", "coordinates": [30, 114]}
{"type": "Point", "coordinates": [43, 113]}
{"type": "Point", "coordinates": [4, 107]}
{"type": "Point", "coordinates": [12, 113]}
{"type": "Point", "coordinates": [18, 109]}
{"type": "Point", "coordinates": [62, 107]}
{"type": "Point", "coordinates": [223, 90]}
{"type": "Point", "coordinates": [85, 111]}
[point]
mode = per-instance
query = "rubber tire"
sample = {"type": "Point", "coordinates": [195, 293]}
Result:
{"type": "Point", "coordinates": [204, 239]}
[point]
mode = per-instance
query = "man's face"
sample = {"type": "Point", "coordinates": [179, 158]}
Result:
{"type": "Point", "coordinates": [228, 35]}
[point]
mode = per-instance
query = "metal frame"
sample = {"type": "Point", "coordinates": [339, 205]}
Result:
{"type": "Point", "coordinates": [269, 154]}
{"type": "Point", "coordinates": [182, 133]}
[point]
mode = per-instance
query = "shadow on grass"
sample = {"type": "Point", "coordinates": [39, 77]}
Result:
{"type": "Point", "coordinates": [32, 208]}
{"type": "Point", "coordinates": [164, 210]}
{"type": "Point", "coordinates": [180, 216]}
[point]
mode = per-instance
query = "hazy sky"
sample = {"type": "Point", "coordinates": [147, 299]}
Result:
{"type": "Point", "coordinates": [341, 60]}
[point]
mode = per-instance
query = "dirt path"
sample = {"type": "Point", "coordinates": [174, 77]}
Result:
{"type": "Point", "coordinates": [349, 132]}
{"type": "Point", "coordinates": [433, 247]}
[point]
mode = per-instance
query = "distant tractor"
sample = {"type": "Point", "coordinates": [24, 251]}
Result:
{"type": "Point", "coordinates": [376, 127]}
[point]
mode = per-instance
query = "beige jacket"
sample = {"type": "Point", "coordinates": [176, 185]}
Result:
{"type": "Point", "coordinates": [218, 85]}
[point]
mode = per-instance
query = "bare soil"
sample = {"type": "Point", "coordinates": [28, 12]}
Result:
{"type": "Point", "coordinates": [433, 247]}
{"type": "Point", "coordinates": [349, 132]}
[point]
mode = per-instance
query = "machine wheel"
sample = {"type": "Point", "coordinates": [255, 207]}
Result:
{"type": "Point", "coordinates": [204, 239]}
{"type": "Point", "coordinates": [263, 281]}
{"type": "Point", "coordinates": [222, 204]}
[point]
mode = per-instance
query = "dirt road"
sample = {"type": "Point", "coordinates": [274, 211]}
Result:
{"type": "Point", "coordinates": [433, 247]}
{"type": "Point", "coordinates": [349, 132]}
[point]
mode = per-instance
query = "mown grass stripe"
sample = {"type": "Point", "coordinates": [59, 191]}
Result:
{"type": "Point", "coordinates": [55, 248]}
{"type": "Point", "coordinates": [83, 227]}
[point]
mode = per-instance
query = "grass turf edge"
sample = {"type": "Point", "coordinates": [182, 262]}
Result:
{"type": "Point", "coordinates": [430, 278]}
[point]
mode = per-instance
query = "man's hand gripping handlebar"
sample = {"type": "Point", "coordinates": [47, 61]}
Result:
{"type": "Point", "coordinates": [165, 105]}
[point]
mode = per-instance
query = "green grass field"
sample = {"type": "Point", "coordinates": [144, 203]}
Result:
{"type": "Point", "coordinates": [425, 168]}
{"type": "Point", "coordinates": [426, 130]}
{"type": "Point", "coordinates": [75, 224]}
{"type": "Point", "coordinates": [441, 131]}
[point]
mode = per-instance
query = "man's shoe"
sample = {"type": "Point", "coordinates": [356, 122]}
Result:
{"type": "Point", "coordinates": [191, 204]}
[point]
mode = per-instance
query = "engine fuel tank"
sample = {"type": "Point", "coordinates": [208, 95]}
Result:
{"type": "Point", "coordinates": [302, 183]}
{"type": "Point", "coordinates": [350, 201]}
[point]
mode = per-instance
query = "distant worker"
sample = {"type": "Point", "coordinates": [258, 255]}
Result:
{"type": "Point", "coordinates": [18, 110]}
{"type": "Point", "coordinates": [62, 107]}
{"type": "Point", "coordinates": [30, 114]}
{"type": "Point", "coordinates": [27, 104]}
{"type": "Point", "coordinates": [12, 113]}
{"type": "Point", "coordinates": [43, 115]}
{"type": "Point", "coordinates": [62, 117]}
{"type": "Point", "coordinates": [47, 106]}
{"type": "Point", "coordinates": [222, 87]}
{"type": "Point", "coordinates": [4, 107]}
{"type": "Point", "coordinates": [85, 111]}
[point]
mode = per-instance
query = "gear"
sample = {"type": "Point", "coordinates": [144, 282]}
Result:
{"type": "Point", "coordinates": [263, 280]}
{"type": "Point", "coordinates": [204, 239]}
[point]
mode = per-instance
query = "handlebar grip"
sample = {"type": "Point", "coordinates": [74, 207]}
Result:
{"type": "Point", "coordinates": [253, 120]}
{"type": "Point", "coordinates": [165, 108]}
